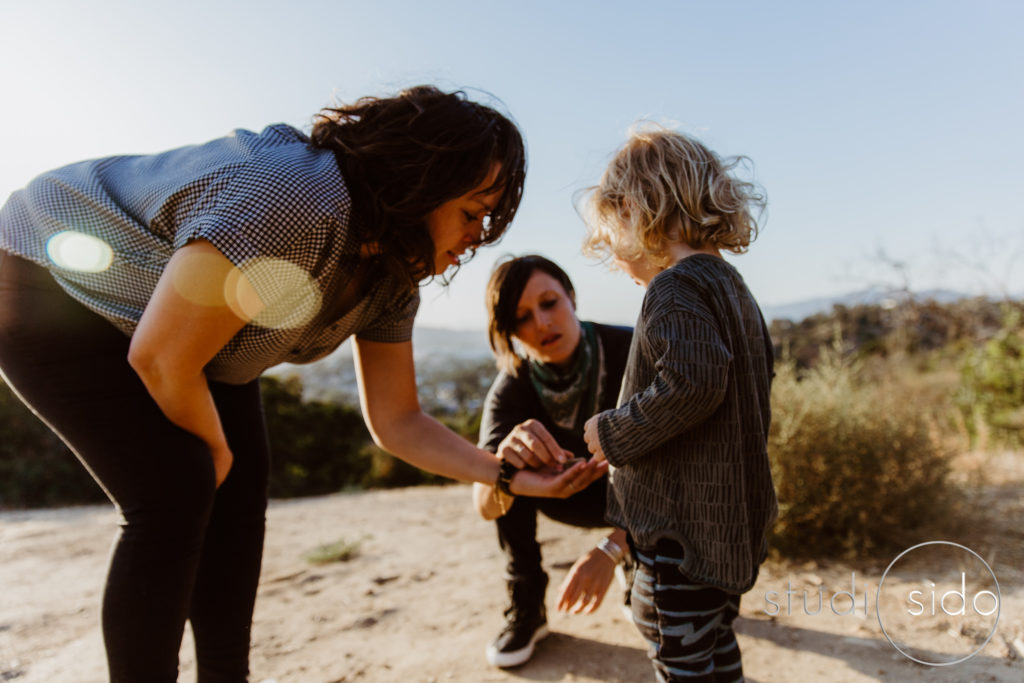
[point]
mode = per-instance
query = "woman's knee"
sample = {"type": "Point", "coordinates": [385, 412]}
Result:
{"type": "Point", "coordinates": [171, 508]}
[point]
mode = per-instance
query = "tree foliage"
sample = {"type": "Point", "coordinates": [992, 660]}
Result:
{"type": "Point", "coordinates": [991, 393]}
{"type": "Point", "coordinates": [909, 327]}
{"type": "Point", "coordinates": [316, 447]}
{"type": "Point", "coordinates": [36, 468]}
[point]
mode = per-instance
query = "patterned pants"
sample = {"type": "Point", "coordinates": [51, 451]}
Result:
{"type": "Point", "coordinates": [687, 626]}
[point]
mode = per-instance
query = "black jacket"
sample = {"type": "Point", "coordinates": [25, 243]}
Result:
{"type": "Point", "coordinates": [512, 399]}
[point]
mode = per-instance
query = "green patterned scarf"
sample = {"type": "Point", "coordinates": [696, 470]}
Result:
{"type": "Point", "coordinates": [571, 395]}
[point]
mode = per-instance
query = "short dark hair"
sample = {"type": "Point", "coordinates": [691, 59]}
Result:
{"type": "Point", "coordinates": [508, 280]}
{"type": "Point", "coordinates": [403, 156]}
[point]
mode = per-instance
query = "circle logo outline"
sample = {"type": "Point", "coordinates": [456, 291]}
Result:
{"type": "Point", "coordinates": [999, 607]}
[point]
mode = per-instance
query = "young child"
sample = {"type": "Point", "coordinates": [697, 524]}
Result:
{"type": "Point", "coordinates": [690, 480]}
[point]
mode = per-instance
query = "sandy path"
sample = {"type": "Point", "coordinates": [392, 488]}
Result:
{"type": "Point", "coordinates": [420, 602]}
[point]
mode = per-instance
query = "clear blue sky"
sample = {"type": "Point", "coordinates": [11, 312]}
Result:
{"type": "Point", "coordinates": [875, 127]}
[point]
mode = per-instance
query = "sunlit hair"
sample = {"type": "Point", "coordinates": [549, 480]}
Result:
{"type": "Point", "coordinates": [508, 280]}
{"type": "Point", "coordinates": [404, 156]}
{"type": "Point", "coordinates": [663, 186]}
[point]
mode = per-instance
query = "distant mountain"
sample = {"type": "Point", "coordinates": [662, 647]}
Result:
{"type": "Point", "coordinates": [463, 344]}
{"type": "Point", "coordinates": [798, 310]}
{"type": "Point", "coordinates": [438, 349]}
{"type": "Point", "coordinates": [435, 349]}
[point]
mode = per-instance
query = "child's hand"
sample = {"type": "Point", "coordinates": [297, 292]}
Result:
{"type": "Point", "coordinates": [592, 439]}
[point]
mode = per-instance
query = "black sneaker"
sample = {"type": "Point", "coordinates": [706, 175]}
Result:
{"type": "Point", "coordinates": [514, 645]}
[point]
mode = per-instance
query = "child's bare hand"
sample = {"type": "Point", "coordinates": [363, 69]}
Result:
{"type": "Point", "coordinates": [593, 440]}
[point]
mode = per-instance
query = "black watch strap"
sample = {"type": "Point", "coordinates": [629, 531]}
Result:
{"type": "Point", "coordinates": [505, 474]}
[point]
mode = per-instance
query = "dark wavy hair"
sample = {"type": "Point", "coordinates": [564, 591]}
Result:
{"type": "Point", "coordinates": [403, 156]}
{"type": "Point", "coordinates": [508, 280]}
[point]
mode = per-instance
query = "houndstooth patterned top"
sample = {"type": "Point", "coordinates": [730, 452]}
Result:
{"type": "Point", "coordinates": [688, 442]}
{"type": "Point", "coordinates": [276, 207]}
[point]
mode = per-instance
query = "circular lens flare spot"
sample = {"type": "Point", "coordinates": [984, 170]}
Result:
{"type": "Point", "coordinates": [290, 297]}
{"type": "Point", "coordinates": [75, 250]}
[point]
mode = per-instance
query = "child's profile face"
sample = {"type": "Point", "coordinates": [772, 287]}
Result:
{"type": "Point", "coordinates": [641, 270]}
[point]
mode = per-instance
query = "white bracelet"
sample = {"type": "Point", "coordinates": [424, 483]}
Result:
{"type": "Point", "coordinates": [611, 549]}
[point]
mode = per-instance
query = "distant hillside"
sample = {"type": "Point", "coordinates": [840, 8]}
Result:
{"type": "Point", "coordinates": [436, 351]}
{"type": "Point", "coordinates": [440, 350]}
{"type": "Point", "coordinates": [798, 310]}
{"type": "Point", "coordinates": [432, 342]}
{"type": "Point", "coordinates": [893, 325]}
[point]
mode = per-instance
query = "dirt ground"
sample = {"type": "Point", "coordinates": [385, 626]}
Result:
{"type": "Point", "coordinates": [423, 596]}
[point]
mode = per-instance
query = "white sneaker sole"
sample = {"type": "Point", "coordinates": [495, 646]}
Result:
{"type": "Point", "coordinates": [504, 660]}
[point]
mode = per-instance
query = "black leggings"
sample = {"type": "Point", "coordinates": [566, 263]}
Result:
{"type": "Point", "coordinates": [185, 549]}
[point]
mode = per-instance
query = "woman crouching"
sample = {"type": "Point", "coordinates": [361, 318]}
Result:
{"type": "Point", "coordinates": [565, 370]}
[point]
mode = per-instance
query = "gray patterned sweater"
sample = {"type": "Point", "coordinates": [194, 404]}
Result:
{"type": "Point", "coordinates": [687, 443]}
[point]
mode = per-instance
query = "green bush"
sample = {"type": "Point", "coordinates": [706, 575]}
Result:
{"type": "Point", "coordinates": [36, 468]}
{"type": "Point", "coordinates": [858, 464]}
{"type": "Point", "coordinates": [339, 551]}
{"type": "Point", "coordinates": [991, 393]}
{"type": "Point", "coordinates": [386, 471]}
{"type": "Point", "coordinates": [319, 447]}
{"type": "Point", "coordinates": [316, 447]}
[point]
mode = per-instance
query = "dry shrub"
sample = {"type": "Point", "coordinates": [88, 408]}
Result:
{"type": "Point", "coordinates": [859, 459]}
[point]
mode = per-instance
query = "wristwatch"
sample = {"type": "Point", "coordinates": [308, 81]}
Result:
{"type": "Point", "coordinates": [612, 549]}
{"type": "Point", "coordinates": [505, 474]}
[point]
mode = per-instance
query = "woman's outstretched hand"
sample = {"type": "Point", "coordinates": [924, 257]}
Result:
{"type": "Point", "coordinates": [550, 483]}
{"type": "Point", "coordinates": [530, 444]}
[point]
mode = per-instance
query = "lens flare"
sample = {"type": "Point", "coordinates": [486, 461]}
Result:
{"type": "Point", "coordinates": [75, 250]}
{"type": "Point", "coordinates": [290, 296]}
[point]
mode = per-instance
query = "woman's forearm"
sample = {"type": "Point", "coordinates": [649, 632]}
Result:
{"type": "Point", "coordinates": [184, 399]}
{"type": "Point", "coordinates": [387, 395]}
{"type": "Point", "coordinates": [423, 442]}
{"type": "Point", "coordinates": [189, 318]}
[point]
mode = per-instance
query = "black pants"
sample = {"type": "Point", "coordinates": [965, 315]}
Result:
{"type": "Point", "coordinates": [517, 528]}
{"type": "Point", "coordinates": [185, 549]}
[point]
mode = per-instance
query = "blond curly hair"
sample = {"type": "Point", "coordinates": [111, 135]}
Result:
{"type": "Point", "coordinates": [663, 186]}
